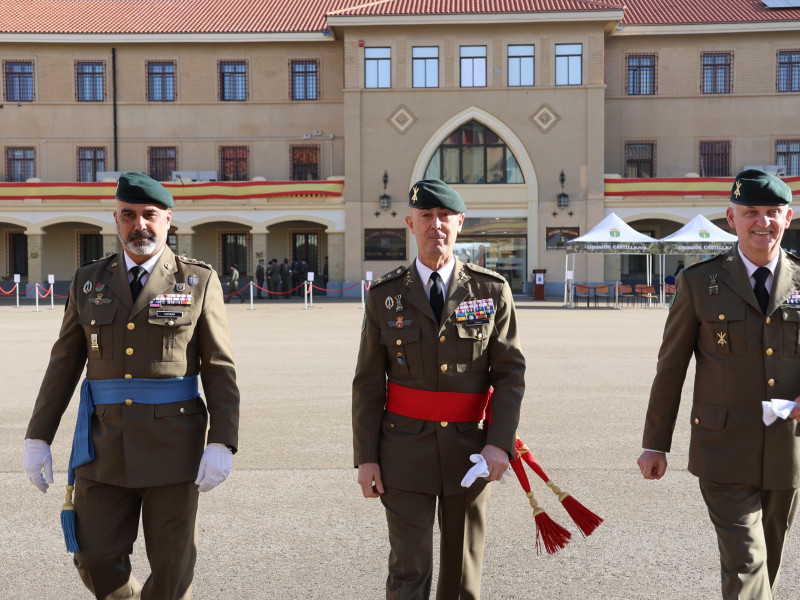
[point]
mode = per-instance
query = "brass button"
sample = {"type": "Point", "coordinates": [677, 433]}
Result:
{"type": "Point", "coordinates": [128, 376]}
{"type": "Point", "coordinates": [391, 425]}
{"type": "Point", "coordinates": [444, 423]}
{"type": "Point", "coordinates": [170, 322]}
{"type": "Point", "coordinates": [183, 410]}
{"type": "Point", "coordinates": [480, 336]}
{"type": "Point", "coordinates": [128, 351]}
{"type": "Point", "coordinates": [722, 317]}
{"type": "Point", "coordinates": [399, 342]}
{"type": "Point", "coordinates": [128, 401]}
{"type": "Point", "coordinates": [769, 351]}
{"type": "Point", "coordinates": [769, 320]}
{"type": "Point", "coordinates": [696, 421]}
{"type": "Point", "coordinates": [443, 368]}
{"type": "Point", "coordinates": [131, 326]}
{"type": "Point", "coordinates": [771, 383]}
{"type": "Point", "coordinates": [92, 322]}
{"type": "Point", "coordinates": [442, 339]}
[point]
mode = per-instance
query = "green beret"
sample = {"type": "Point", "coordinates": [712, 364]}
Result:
{"type": "Point", "coordinates": [433, 193]}
{"type": "Point", "coordinates": [138, 188]}
{"type": "Point", "coordinates": [753, 187]}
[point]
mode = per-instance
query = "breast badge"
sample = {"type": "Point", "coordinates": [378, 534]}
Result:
{"type": "Point", "coordinates": [475, 312]}
{"type": "Point", "coordinates": [713, 288]}
{"type": "Point", "coordinates": [87, 287]}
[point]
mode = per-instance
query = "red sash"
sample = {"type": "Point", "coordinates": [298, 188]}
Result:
{"type": "Point", "coordinates": [436, 406]}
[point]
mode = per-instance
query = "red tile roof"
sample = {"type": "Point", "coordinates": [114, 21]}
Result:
{"type": "Point", "coordinates": [302, 16]}
{"type": "Point", "coordinates": [688, 12]}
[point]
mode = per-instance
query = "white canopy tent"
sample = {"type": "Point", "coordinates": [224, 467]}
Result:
{"type": "Point", "coordinates": [698, 236]}
{"type": "Point", "coordinates": [612, 235]}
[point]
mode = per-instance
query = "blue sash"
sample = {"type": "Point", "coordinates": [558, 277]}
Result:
{"type": "Point", "coordinates": [113, 391]}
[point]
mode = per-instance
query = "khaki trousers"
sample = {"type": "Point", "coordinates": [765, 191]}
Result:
{"type": "Point", "coordinates": [462, 524]}
{"type": "Point", "coordinates": [751, 526]}
{"type": "Point", "coordinates": [107, 525]}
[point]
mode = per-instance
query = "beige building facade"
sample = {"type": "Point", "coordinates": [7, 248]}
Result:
{"type": "Point", "coordinates": [532, 116]}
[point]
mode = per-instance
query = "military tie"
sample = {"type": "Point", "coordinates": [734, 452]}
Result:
{"type": "Point", "coordinates": [136, 282]}
{"type": "Point", "coordinates": [437, 296]}
{"type": "Point", "coordinates": [762, 295]}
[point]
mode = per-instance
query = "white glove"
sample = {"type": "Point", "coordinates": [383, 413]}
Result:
{"type": "Point", "coordinates": [481, 469]}
{"type": "Point", "coordinates": [215, 466]}
{"type": "Point", "coordinates": [776, 408]}
{"type": "Point", "coordinates": [37, 457]}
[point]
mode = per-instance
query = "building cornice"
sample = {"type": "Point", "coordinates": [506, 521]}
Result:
{"type": "Point", "coordinates": [473, 19]}
{"type": "Point", "coordinates": [162, 38]}
{"type": "Point", "coordinates": [706, 28]}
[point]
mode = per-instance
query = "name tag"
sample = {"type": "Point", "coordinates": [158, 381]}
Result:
{"type": "Point", "coordinates": [169, 313]}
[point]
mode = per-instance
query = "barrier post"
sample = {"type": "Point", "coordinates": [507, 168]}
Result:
{"type": "Point", "coordinates": [52, 302]}
{"type": "Point", "coordinates": [305, 295]}
{"type": "Point", "coordinates": [363, 286]}
{"type": "Point", "coordinates": [36, 293]}
{"type": "Point", "coordinates": [251, 296]}
{"type": "Point", "coordinates": [17, 287]}
{"type": "Point", "coordinates": [616, 294]}
{"type": "Point", "coordinates": [17, 279]}
{"type": "Point", "coordinates": [310, 294]}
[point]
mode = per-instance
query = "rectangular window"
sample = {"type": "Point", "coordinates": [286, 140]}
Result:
{"type": "Point", "coordinates": [161, 162]}
{"type": "Point", "coordinates": [520, 65]}
{"type": "Point", "coordinates": [377, 67]}
{"type": "Point", "coordinates": [715, 159]}
{"type": "Point", "coordinates": [641, 74]}
{"type": "Point", "coordinates": [18, 253]}
{"type": "Point", "coordinates": [89, 81]}
{"type": "Point", "coordinates": [19, 81]}
{"type": "Point", "coordinates": [234, 251]}
{"type": "Point", "coordinates": [640, 159]}
{"type": "Point", "coordinates": [717, 77]}
{"type": "Point", "coordinates": [569, 64]}
{"type": "Point", "coordinates": [20, 164]}
{"type": "Point", "coordinates": [789, 71]}
{"type": "Point", "coordinates": [788, 155]}
{"type": "Point", "coordinates": [473, 66]}
{"type": "Point", "coordinates": [425, 66]}
{"type": "Point", "coordinates": [90, 161]}
{"type": "Point", "coordinates": [304, 79]}
{"type": "Point", "coordinates": [91, 247]}
{"type": "Point", "coordinates": [305, 163]}
{"type": "Point", "coordinates": [233, 163]}
{"type": "Point", "coordinates": [161, 81]}
{"type": "Point", "coordinates": [233, 80]}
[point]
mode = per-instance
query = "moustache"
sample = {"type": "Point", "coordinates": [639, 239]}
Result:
{"type": "Point", "coordinates": [141, 235]}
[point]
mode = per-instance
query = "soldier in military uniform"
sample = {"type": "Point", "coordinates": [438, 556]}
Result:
{"type": "Point", "coordinates": [148, 323]}
{"type": "Point", "coordinates": [413, 439]}
{"type": "Point", "coordinates": [739, 315]}
{"type": "Point", "coordinates": [260, 275]}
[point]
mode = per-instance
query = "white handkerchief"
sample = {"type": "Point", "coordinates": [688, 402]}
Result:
{"type": "Point", "coordinates": [481, 469]}
{"type": "Point", "coordinates": [776, 408]}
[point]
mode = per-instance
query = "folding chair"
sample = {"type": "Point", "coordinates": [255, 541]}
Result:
{"type": "Point", "coordinates": [602, 291]}
{"type": "Point", "coordinates": [581, 291]}
{"type": "Point", "coordinates": [626, 294]}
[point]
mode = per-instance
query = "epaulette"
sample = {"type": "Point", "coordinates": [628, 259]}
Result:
{"type": "Point", "coordinates": [793, 256]}
{"type": "Point", "coordinates": [97, 260]}
{"type": "Point", "coordinates": [485, 271]}
{"type": "Point", "coordinates": [193, 261]}
{"type": "Point", "coordinates": [707, 260]}
{"type": "Point", "coordinates": [394, 274]}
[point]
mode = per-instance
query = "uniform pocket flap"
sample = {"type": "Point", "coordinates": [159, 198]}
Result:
{"type": "Point", "coordinates": [102, 314]}
{"type": "Point", "coordinates": [723, 312]}
{"type": "Point", "coordinates": [476, 332]}
{"type": "Point", "coordinates": [399, 336]}
{"type": "Point", "coordinates": [468, 425]}
{"type": "Point", "coordinates": [173, 409]}
{"type": "Point", "coordinates": [392, 422]}
{"type": "Point", "coordinates": [791, 314]}
{"type": "Point", "coordinates": [709, 416]}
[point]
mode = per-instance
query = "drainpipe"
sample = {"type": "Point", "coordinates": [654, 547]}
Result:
{"type": "Point", "coordinates": [114, 97]}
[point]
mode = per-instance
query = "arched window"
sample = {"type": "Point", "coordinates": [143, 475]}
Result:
{"type": "Point", "coordinates": [473, 153]}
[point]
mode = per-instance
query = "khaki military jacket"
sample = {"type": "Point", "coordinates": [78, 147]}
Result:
{"type": "Point", "coordinates": [742, 357]}
{"type": "Point", "coordinates": [142, 445]}
{"type": "Point", "coordinates": [423, 456]}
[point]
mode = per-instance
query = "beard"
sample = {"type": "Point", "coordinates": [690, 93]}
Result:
{"type": "Point", "coordinates": [141, 243]}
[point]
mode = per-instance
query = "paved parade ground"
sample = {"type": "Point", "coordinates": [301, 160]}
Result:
{"type": "Point", "coordinates": [290, 522]}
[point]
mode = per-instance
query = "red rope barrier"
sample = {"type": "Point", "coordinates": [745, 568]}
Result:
{"type": "Point", "coordinates": [9, 292]}
{"type": "Point", "coordinates": [282, 293]}
{"type": "Point", "coordinates": [46, 294]}
{"type": "Point", "coordinates": [29, 289]}
{"type": "Point", "coordinates": [239, 292]}
{"type": "Point", "coordinates": [316, 287]}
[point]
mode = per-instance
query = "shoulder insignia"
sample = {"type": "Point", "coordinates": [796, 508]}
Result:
{"type": "Point", "coordinates": [793, 256]}
{"type": "Point", "coordinates": [394, 274]}
{"type": "Point", "coordinates": [98, 260]}
{"type": "Point", "coordinates": [479, 269]}
{"type": "Point", "coordinates": [193, 261]}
